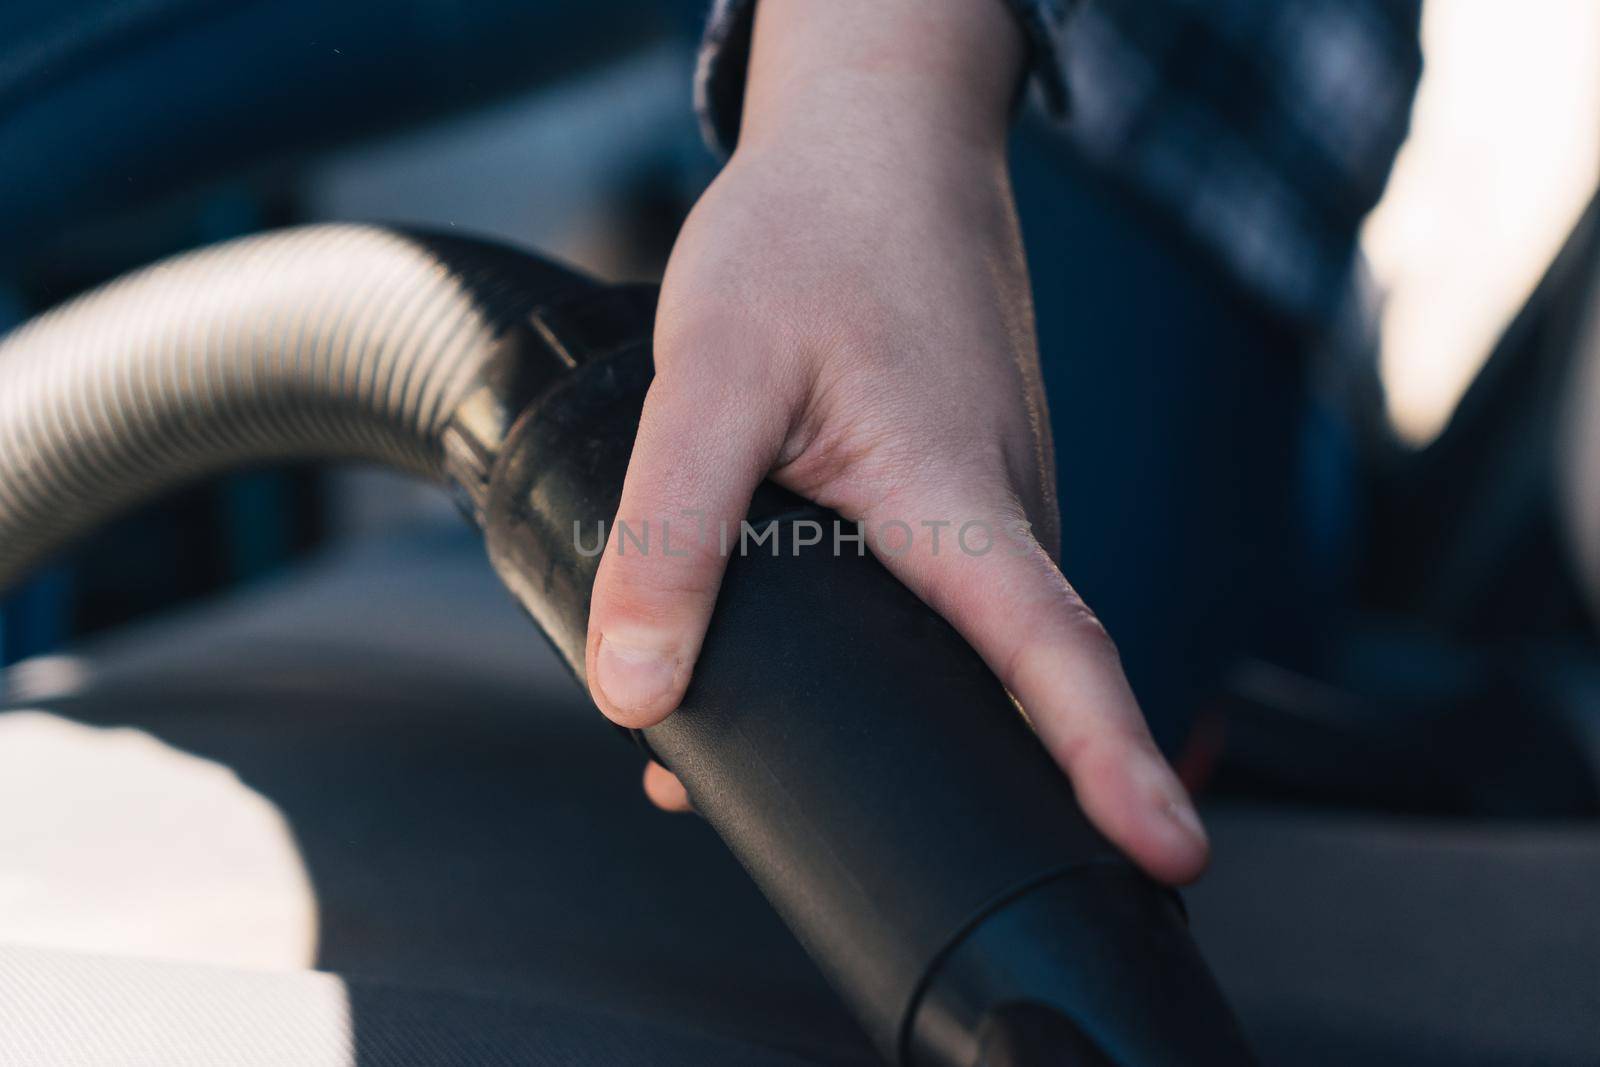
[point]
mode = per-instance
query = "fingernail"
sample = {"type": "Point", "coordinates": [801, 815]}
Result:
{"type": "Point", "coordinates": [632, 678]}
{"type": "Point", "coordinates": [1183, 815]}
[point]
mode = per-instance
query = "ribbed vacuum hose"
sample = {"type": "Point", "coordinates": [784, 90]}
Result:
{"type": "Point", "coordinates": [347, 342]}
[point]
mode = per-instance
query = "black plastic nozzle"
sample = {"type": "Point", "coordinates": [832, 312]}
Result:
{"type": "Point", "coordinates": [870, 772]}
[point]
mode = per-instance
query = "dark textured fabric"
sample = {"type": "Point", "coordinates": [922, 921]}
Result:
{"type": "Point", "coordinates": [1353, 939]}
{"type": "Point", "coordinates": [71, 1009]}
{"type": "Point", "coordinates": [496, 890]}
{"type": "Point", "coordinates": [1265, 128]}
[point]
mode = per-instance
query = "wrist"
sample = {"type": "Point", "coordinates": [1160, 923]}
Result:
{"type": "Point", "coordinates": [902, 73]}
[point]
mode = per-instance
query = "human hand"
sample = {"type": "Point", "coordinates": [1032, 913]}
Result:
{"type": "Point", "coordinates": [847, 312]}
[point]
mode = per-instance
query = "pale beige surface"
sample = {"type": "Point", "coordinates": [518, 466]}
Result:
{"type": "Point", "coordinates": [113, 842]}
{"type": "Point", "coordinates": [78, 1010]}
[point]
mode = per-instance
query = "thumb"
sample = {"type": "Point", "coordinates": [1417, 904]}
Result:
{"type": "Point", "coordinates": [702, 449]}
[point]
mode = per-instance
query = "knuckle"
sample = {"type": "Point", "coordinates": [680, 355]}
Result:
{"type": "Point", "coordinates": [1075, 750]}
{"type": "Point", "coordinates": [652, 586]}
{"type": "Point", "coordinates": [1085, 627]}
{"type": "Point", "coordinates": [1073, 623]}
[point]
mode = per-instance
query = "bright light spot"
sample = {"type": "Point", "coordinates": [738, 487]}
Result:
{"type": "Point", "coordinates": [44, 678]}
{"type": "Point", "coordinates": [112, 841]}
{"type": "Point", "coordinates": [1504, 153]}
